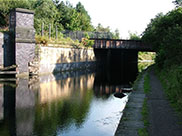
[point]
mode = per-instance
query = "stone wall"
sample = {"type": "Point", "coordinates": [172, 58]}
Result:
{"type": "Point", "coordinates": [23, 37]}
{"type": "Point", "coordinates": [18, 47]}
{"type": "Point", "coordinates": [1, 49]}
{"type": "Point", "coordinates": [7, 50]}
{"type": "Point", "coordinates": [1, 102]}
{"type": "Point", "coordinates": [65, 59]}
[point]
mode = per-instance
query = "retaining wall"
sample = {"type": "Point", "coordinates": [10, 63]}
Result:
{"type": "Point", "coordinates": [1, 49]}
{"type": "Point", "coordinates": [54, 59]}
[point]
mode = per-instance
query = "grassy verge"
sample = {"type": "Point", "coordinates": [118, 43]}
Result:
{"type": "Point", "coordinates": [145, 59]}
{"type": "Point", "coordinates": [64, 42]}
{"type": "Point", "coordinates": [146, 86]}
{"type": "Point", "coordinates": [171, 79]}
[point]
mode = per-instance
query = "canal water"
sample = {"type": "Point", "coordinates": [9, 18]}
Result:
{"type": "Point", "coordinates": [82, 103]}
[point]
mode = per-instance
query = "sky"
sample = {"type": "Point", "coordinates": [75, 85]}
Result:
{"type": "Point", "coordinates": [125, 15]}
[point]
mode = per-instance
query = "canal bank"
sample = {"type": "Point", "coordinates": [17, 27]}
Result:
{"type": "Point", "coordinates": [131, 121]}
{"type": "Point", "coordinates": [162, 119]}
{"type": "Point", "coordinates": [52, 59]}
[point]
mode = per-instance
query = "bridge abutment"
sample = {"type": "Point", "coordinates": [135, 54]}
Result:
{"type": "Point", "coordinates": [121, 63]}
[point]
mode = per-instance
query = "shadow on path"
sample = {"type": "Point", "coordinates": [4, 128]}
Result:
{"type": "Point", "coordinates": [162, 118]}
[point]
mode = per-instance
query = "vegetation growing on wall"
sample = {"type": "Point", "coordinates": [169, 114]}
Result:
{"type": "Point", "coordinates": [64, 42]}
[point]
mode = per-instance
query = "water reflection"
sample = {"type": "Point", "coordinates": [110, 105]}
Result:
{"type": "Point", "coordinates": [76, 103]}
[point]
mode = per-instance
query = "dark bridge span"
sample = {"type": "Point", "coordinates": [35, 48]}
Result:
{"type": "Point", "coordinates": [119, 56]}
{"type": "Point", "coordinates": [137, 45]}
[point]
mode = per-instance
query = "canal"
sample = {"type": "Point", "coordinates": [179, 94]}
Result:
{"type": "Point", "coordinates": [65, 104]}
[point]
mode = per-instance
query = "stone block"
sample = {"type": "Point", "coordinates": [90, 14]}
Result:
{"type": "Point", "coordinates": [23, 38]}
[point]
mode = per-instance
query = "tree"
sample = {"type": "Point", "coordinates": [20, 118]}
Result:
{"type": "Point", "coordinates": [178, 3]}
{"type": "Point", "coordinates": [7, 5]}
{"type": "Point", "coordinates": [165, 35]}
{"type": "Point", "coordinates": [80, 8]}
{"type": "Point", "coordinates": [74, 18]}
{"type": "Point", "coordinates": [85, 20]}
{"type": "Point", "coordinates": [116, 34]}
{"type": "Point", "coordinates": [54, 12]}
{"type": "Point", "coordinates": [45, 12]}
{"type": "Point", "coordinates": [100, 28]}
{"type": "Point", "coordinates": [134, 36]}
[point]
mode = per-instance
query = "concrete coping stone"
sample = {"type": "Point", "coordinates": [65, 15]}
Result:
{"type": "Point", "coordinates": [19, 40]}
{"type": "Point", "coordinates": [23, 10]}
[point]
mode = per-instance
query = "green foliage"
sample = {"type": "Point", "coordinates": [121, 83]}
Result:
{"type": "Point", "coordinates": [146, 56]}
{"type": "Point", "coordinates": [144, 65]}
{"type": "Point", "coordinates": [145, 60]}
{"type": "Point", "coordinates": [146, 86]}
{"type": "Point", "coordinates": [74, 18]}
{"type": "Point", "coordinates": [45, 12]}
{"type": "Point", "coordinates": [100, 28]}
{"type": "Point", "coordinates": [134, 36]}
{"type": "Point", "coordinates": [7, 5]}
{"type": "Point", "coordinates": [178, 3]}
{"type": "Point", "coordinates": [172, 84]}
{"type": "Point", "coordinates": [86, 42]}
{"type": "Point", "coordinates": [144, 131]}
{"type": "Point", "coordinates": [114, 35]}
{"type": "Point", "coordinates": [41, 40]}
{"type": "Point", "coordinates": [145, 111]}
{"type": "Point", "coordinates": [164, 33]}
{"type": "Point", "coordinates": [53, 12]}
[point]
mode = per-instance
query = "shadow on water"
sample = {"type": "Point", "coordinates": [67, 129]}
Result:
{"type": "Point", "coordinates": [71, 103]}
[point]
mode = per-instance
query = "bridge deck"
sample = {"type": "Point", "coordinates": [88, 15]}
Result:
{"type": "Point", "coordinates": [121, 44]}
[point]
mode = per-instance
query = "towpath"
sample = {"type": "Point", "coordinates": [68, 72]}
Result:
{"type": "Point", "coordinates": [163, 120]}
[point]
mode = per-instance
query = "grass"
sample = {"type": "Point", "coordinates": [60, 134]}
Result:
{"type": "Point", "coordinates": [146, 85]}
{"type": "Point", "coordinates": [171, 79]}
{"type": "Point", "coordinates": [63, 42]}
{"type": "Point", "coordinates": [143, 132]}
{"type": "Point", "coordinates": [145, 59]}
{"type": "Point", "coordinates": [146, 55]}
{"type": "Point", "coordinates": [145, 111]}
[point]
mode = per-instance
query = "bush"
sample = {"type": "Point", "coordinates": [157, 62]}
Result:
{"type": "Point", "coordinates": [41, 40]}
{"type": "Point", "coordinates": [164, 33]}
{"type": "Point", "coordinates": [86, 42]}
{"type": "Point", "coordinates": [171, 79]}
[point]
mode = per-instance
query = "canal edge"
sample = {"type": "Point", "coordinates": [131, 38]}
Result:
{"type": "Point", "coordinates": [132, 121]}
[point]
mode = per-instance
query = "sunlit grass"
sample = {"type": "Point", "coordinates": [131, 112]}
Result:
{"type": "Point", "coordinates": [145, 59]}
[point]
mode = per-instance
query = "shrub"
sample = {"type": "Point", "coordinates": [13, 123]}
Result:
{"type": "Point", "coordinates": [41, 40]}
{"type": "Point", "coordinates": [86, 42]}
{"type": "Point", "coordinates": [164, 33]}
